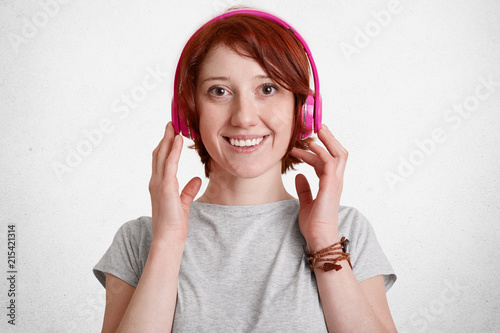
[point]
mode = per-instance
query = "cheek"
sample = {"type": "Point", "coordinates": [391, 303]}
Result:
{"type": "Point", "coordinates": [204, 126]}
{"type": "Point", "coordinates": [281, 118]}
{"type": "Point", "coordinates": [211, 122]}
{"type": "Point", "coordinates": [206, 118]}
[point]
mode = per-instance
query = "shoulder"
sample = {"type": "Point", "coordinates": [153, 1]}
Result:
{"type": "Point", "coordinates": [358, 230]}
{"type": "Point", "coordinates": [142, 223]}
{"type": "Point", "coordinates": [127, 254]}
{"type": "Point", "coordinates": [134, 240]}
{"type": "Point", "coordinates": [352, 221]}
{"type": "Point", "coordinates": [139, 231]}
{"type": "Point", "coordinates": [367, 257]}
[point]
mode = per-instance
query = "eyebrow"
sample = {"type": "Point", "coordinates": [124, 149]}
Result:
{"type": "Point", "coordinates": [215, 78]}
{"type": "Point", "coordinates": [225, 78]}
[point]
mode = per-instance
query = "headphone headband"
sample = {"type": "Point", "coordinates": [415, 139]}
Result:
{"type": "Point", "coordinates": [317, 98]}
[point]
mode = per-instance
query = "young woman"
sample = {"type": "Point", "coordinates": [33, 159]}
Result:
{"type": "Point", "coordinates": [246, 255]}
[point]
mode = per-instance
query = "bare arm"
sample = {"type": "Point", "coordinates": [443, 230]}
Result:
{"type": "Point", "coordinates": [118, 295]}
{"type": "Point", "coordinates": [151, 306]}
{"type": "Point", "coordinates": [348, 306]}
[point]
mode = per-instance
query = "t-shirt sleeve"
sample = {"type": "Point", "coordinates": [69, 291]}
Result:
{"type": "Point", "coordinates": [126, 256]}
{"type": "Point", "coordinates": [367, 258]}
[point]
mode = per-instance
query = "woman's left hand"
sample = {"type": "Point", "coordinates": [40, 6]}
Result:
{"type": "Point", "coordinates": [318, 218]}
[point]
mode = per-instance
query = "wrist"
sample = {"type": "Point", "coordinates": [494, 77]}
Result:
{"type": "Point", "coordinates": [319, 243]}
{"type": "Point", "coordinates": [171, 242]}
{"type": "Point", "coordinates": [167, 233]}
{"type": "Point", "coordinates": [328, 258]}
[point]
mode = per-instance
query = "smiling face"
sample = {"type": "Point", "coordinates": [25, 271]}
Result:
{"type": "Point", "coordinates": [245, 117]}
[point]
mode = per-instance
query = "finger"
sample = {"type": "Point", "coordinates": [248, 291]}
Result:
{"type": "Point", "coordinates": [189, 192]}
{"type": "Point", "coordinates": [157, 150]}
{"type": "Point", "coordinates": [163, 149]}
{"type": "Point", "coordinates": [154, 158]}
{"type": "Point", "coordinates": [321, 152]}
{"type": "Point", "coordinates": [303, 190]}
{"type": "Point", "coordinates": [331, 143]}
{"type": "Point", "coordinates": [172, 161]}
{"type": "Point", "coordinates": [334, 148]}
{"type": "Point", "coordinates": [305, 156]}
{"type": "Point", "coordinates": [328, 165]}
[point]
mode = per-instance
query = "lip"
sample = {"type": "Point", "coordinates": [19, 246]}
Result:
{"type": "Point", "coordinates": [246, 137]}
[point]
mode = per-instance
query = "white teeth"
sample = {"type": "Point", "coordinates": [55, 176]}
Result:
{"type": "Point", "coordinates": [245, 143]}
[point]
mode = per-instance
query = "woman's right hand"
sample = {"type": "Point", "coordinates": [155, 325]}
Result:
{"type": "Point", "coordinates": [170, 211]}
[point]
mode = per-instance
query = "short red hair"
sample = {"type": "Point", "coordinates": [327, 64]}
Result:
{"type": "Point", "coordinates": [275, 48]}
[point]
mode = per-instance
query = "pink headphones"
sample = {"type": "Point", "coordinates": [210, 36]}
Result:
{"type": "Point", "coordinates": [311, 110]}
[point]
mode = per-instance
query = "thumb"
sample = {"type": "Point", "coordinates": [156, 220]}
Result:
{"type": "Point", "coordinates": [190, 190]}
{"type": "Point", "coordinates": [303, 190]}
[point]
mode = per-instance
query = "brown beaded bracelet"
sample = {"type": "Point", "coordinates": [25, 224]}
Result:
{"type": "Point", "coordinates": [330, 263]}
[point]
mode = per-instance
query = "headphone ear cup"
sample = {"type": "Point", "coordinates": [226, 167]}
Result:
{"type": "Point", "coordinates": [318, 112]}
{"type": "Point", "coordinates": [179, 125]}
{"type": "Point", "coordinates": [175, 117]}
{"type": "Point", "coordinates": [307, 116]}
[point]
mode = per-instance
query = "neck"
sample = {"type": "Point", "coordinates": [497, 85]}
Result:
{"type": "Point", "coordinates": [227, 189]}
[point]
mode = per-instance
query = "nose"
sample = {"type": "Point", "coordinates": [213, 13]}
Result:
{"type": "Point", "coordinates": [245, 112]}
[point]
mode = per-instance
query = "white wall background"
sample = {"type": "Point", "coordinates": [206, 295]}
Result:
{"type": "Point", "coordinates": [409, 100]}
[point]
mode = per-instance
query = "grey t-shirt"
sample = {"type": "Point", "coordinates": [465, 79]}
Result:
{"type": "Point", "coordinates": [244, 267]}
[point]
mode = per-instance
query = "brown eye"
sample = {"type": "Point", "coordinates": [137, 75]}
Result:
{"type": "Point", "coordinates": [268, 89]}
{"type": "Point", "coordinates": [218, 91]}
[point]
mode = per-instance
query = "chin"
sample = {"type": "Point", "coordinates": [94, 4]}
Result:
{"type": "Point", "coordinates": [249, 171]}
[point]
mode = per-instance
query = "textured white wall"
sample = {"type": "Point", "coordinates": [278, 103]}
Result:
{"type": "Point", "coordinates": [414, 97]}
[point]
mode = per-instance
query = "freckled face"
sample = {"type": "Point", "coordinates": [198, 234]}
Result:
{"type": "Point", "coordinates": [245, 117]}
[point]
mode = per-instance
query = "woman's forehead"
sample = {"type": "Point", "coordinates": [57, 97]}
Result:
{"type": "Point", "coordinates": [223, 61]}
